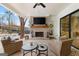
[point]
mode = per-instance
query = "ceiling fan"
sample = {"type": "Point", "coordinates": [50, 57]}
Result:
{"type": "Point", "coordinates": [38, 4]}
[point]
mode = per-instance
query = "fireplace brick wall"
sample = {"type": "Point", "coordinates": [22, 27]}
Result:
{"type": "Point", "coordinates": [43, 31]}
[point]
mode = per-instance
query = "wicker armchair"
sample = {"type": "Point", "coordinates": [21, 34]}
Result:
{"type": "Point", "coordinates": [66, 47]}
{"type": "Point", "coordinates": [11, 47]}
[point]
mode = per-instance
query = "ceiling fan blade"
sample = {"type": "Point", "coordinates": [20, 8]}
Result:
{"type": "Point", "coordinates": [42, 5]}
{"type": "Point", "coordinates": [35, 5]}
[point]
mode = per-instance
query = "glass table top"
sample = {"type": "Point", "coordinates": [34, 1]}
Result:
{"type": "Point", "coordinates": [29, 46]}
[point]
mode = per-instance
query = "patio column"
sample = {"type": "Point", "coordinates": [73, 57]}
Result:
{"type": "Point", "coordinates": [21, 27]}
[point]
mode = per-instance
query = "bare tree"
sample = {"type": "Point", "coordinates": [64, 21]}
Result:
{"type": "Point", "coordinates": [8, 15]}
{"type": "Point", "coordinates": [22, 26]}
{"type": "Point", "coordinates": [1, 23]}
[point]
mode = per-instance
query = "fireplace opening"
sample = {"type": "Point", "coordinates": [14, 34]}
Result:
{"type": "Point", "coordinates": [39, 34]}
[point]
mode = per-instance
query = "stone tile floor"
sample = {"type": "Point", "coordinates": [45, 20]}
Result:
{"type": "Point", "coordinates": [53, 48]}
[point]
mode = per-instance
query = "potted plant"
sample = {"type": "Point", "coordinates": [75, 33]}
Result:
{"type": "Point", "coordinates": [51, 32]}
{"type": "Point", "coordinates": [51, 26]}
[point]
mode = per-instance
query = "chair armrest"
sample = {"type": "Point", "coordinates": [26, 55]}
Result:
{"type": "Point", "coordinates": [19, 43]}
{"type": "Point", "coordinates": [16, 44]}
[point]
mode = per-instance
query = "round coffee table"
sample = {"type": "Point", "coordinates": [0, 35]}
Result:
{"type": "Point", "coordinates": [42, 49]}
{"type": "Point", "coordinates": [29, 47]}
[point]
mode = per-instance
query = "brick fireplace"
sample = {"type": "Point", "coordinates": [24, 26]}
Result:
{"type": "Point", "coordinates": [39, 32]}
{"type": "Point", "coordinates": [39, 28]}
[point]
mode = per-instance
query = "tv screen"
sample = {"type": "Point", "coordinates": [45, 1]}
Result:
{"type": "Point", "coordinates": [39, 20]}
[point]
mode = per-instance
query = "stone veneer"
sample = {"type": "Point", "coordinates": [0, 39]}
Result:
{"type": "Point", "coordinates": [44, 30]}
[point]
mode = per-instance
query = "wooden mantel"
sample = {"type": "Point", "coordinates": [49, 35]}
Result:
{"type": "Point", "coordinates": [44, 26]}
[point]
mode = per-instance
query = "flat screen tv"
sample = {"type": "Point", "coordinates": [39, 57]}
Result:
{"type": "Point", "coordinates": [39, 20]}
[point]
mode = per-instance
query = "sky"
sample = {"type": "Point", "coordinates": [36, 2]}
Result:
{"type": "Point", "coordinates": [2, 10]}
{"type": "Point", "coordinates": [14, 17]}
